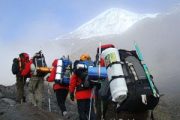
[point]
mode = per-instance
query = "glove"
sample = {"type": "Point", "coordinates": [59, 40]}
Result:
{"type": "Point", "coordinates": [72, 96]}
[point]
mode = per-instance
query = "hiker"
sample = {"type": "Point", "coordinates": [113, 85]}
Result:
{"type": "Point", "coordinates": [21, 68]}
{"type": "Point", "coordinates": [61, 88]}
{"type": "Point", "coordinates": [141, 98]}
{"type": "Point", "coordinates": [36, 83]}
{"type": "Point", "coordinates": [83, 92]}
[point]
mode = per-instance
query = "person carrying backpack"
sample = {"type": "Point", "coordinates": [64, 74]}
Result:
{"type": "Point", "coordinates": [21, 68]}
{"type": "Point", "coordinates": [36, 83]}
{"type": "Point", "coordinates": [61, 88]}
{"type": "Point", "coordinates": [82, 90]}
{"type": "Point", "coordinates": [141, 100]}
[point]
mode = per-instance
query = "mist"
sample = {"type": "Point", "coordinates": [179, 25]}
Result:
{"type": "Point", "coordinates": [158, 39]}
{"type": "Point", "coordinates": [31, 37]}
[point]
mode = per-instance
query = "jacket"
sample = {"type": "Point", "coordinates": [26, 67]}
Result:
{"type": "Point", "coordinates": [27, 69]}
{"type": "Point", "coordinates": [52, 75]}
{"type": "Point", "coordinates": [82, 94]}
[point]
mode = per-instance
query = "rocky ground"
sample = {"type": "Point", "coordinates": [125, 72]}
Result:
{"type": "Point", "coordinates": [9, 110]}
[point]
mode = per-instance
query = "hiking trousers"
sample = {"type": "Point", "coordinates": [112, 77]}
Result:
{"type": "Point", "coordinates": [36, 87]}
{"type": "Point", "coordinates": [83, 109]}
{"type": "Point", "coordinates": [61, 95]}
{"type": "Point", "coordinates": [20, 82]}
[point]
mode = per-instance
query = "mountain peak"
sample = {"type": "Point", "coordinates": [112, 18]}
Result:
{"type": "Point", "coordinates": [112, 21]}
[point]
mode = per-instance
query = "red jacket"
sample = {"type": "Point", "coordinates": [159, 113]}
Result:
{"type": "Point", "coordinates": [27, 69]}
{"type": "Point", "coordinates": [82, 94]}
{"type": "Point", "coordinates": [51, 78]}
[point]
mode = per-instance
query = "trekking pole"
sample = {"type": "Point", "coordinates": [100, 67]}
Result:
{"type": "Point", "coordinates": [49, 93]}
{"type": "Point", "coordinates": [23, 90]}
{"type": "Point", "coordinates": [102, 117]}
{"type": "Point", "coordinates": [92, 94]}
{"type": "Point", "coordinates": [99, 59]}
{"type": "Point", "coordinates": [93, 89]}
{"type": "Point", "coordinates": [49, 99]}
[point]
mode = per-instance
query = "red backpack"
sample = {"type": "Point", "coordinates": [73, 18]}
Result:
{"type": "Point", "coordinates": [23, 60]}
{"type": "Point", "coordinates": [19, 63]}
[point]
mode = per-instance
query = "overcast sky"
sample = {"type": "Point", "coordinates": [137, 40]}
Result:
{"type": "Point", "coordinates": [47, 19]}
{"type": "Point", "coordinates": [24, 22]}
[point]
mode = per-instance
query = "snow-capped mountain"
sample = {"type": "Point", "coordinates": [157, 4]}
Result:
{"type": "Point", "coordinates": [112, 21]}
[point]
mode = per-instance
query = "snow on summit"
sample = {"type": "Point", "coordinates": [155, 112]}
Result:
{"type": "Point", "coordinates": [112, 21]}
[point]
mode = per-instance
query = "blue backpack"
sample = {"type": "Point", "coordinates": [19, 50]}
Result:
{"type": "Point", "coordinates": [65, 72]}
{"type": "Point", "coordinates": [81, 68]}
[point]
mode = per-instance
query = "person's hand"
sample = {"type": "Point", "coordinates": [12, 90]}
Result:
{"type": "Point", "coordinates": [72, 96]}
{"type": "Point", "coordinates": [46, 77]}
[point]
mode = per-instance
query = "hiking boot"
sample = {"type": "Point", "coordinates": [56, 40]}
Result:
{"type": "Point", "coordinates": [66, 115]}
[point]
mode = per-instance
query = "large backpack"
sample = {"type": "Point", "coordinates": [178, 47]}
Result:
{"type": "Point", "coordinates": [15, 66]}
{"type": "Point", "coordinates": [141, 88]}
{"type": "Point", "coordinates": [81, 70]}
{"type": "Point", "coordinates": [39, 61]}
{"type": "Point", "coordinates": [140, 92]}
{"type": "Point", "coordinates": [63, 71]}
{"type": "Point", "coordinates": [19, 63]}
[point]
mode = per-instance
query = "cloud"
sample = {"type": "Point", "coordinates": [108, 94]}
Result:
{"type": "Point", "coordinates": [8, 52]}
{"type": "Point", "coordinates": [6, 77]}
{"type": "Point", "coordinates": [43, 28]}
{"type": "Point", "coordinates": [159, 41]}
{"type": "Point", "coordinates": [32, 37]}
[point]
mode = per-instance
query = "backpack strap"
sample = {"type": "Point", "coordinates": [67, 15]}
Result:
{"type": "Point", "coordinates": [119, 76]}
{"type": "Point", "coordinates": [116, 62]}
{"type": "Point", "coordinates": [131, 66]}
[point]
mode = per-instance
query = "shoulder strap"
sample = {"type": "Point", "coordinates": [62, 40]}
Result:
{"type": "Point", "coordinates": [116, 62]}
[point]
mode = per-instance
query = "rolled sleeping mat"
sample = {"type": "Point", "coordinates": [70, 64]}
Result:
{"type": "Point", "coordinates": [44, 69]}
{"type": "Point", "coordinates": [118, 87]}
{"type": "Point", "coordinates": [59, 70]}
{"type": "Point", "coordinates": [95, 73]}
